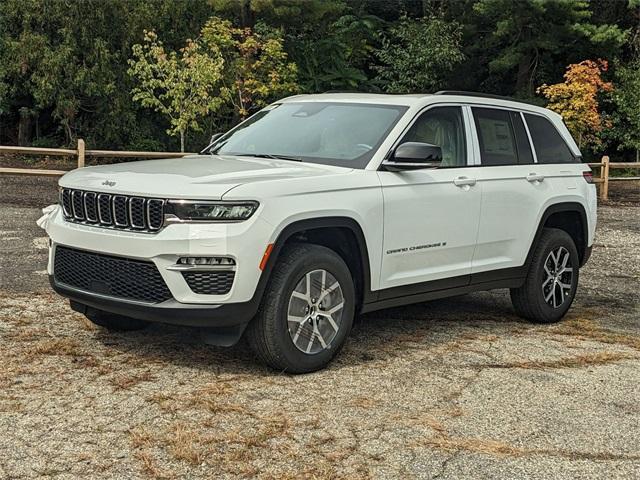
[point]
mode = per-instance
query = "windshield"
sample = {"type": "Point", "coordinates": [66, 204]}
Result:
{"type": "Point", "coordinates": [331, 133]}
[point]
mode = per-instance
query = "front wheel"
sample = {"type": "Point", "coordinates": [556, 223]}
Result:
{"type": "Point", "coordinates": [307, 310]}
{"type": "Point", "coordinates": [552, 280]}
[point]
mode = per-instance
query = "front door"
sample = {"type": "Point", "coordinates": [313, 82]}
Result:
{"type": "Point", "coordinates": [431, 216]}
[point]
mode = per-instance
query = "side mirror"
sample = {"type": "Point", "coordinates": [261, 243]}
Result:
{"type": "Point", "coordinates": [414, 156]}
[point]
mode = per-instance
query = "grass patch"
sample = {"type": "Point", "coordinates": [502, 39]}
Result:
{"type": "Point", "coordinates": [499, 448]}
{"type": "Point", "coordinates": [56, 346]}
{"type": "Point", "coordinates": [579, 361]}
{"type": "Point", "coordinates": [126, 382]}
{"type": "Point", "coordinates": [585, 329]}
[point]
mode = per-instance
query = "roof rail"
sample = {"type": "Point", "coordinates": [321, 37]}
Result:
{"type": "Point", "coordinates": [482, 95]}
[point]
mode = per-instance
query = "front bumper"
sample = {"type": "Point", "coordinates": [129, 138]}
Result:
{"type": "Point", "coordinates": [245, 242]}
{"type": "Point", "coordinates": [224, 316]}
{"type": "Point", "coordinates": [171, 312]}
{"type": "Point", "coordinates": [224, 324]}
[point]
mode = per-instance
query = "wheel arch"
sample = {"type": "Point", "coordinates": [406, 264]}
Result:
{"type": "Point", "coordinates": [342, 234]}
{"type": "Point", "coordinates": [570, 217]}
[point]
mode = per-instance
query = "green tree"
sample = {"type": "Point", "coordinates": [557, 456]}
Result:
{"type": "Point", "coordinates": [256, 66]}
{"type": "Point", "coordinates": [324, 46]}
{"type": "Point", "coordinates": [531, 40]}
{"type": "Point", "coordinates": [289, 14]}
{"type": "Point", "coordinates": [419, 55]}
{"type": "Point", "coordinates": [182, 86]}
{"type": "Point", "coordinates": [576, 99]}
{"type": "Point", "coordinates": [65, 67]}
{"type": "Point", "coordinates": [626, 116]}
{"type": "Point", "coordinates": [336, 56]}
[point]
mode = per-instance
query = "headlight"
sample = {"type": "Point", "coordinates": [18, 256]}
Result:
{"type": "Point", "coordinates": [211, 211]}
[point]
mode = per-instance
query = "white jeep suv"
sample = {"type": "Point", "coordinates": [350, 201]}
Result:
{"type": "Point", "coordinates": [320, 207]}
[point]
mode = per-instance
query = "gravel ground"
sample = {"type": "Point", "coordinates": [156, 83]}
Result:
{"type": "Point", "coordinates": [458, 388]}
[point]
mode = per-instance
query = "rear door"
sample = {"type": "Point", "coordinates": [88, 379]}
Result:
{"type": "Point", "coordinates": [431, 216]}
{"type": "Point", "coordinates": [515, 189]}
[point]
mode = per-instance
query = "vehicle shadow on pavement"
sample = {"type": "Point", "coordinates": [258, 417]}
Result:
{"type": "Point", "coordinates": [375, 337]}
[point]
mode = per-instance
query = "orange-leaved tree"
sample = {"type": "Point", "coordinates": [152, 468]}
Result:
{"type": "Point", "coordinates": [576, 99]}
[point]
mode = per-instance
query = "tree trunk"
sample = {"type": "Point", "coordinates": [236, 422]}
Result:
{"type": "Point", "coordinates": [247, 19]}
{"type": "Point", "coordinates": [523, 78]}
{"type": "Point", "coordinates": [182, 141]}
{"type": "Point", "coordinates": [24, 127]}
{"type": "Point", "coordinates": [67, 128]}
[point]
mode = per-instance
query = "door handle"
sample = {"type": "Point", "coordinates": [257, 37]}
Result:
{"type": "Point", "coordinates": [534, 177]}
{"type": "Point", "coordinates": [462, 181]}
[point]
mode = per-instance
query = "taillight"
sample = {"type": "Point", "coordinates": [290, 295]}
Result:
{"type": "Point", "coordinates": [588, 176]}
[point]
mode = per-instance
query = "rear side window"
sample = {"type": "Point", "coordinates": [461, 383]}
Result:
{"type": "Point", "coordinates": [496, 136]}
{"type": "Point", "coordinates": [550, 146]}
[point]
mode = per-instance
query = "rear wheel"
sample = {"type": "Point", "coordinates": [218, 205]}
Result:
{"type": "Point", "coordinates": [307, 310]}
{"type": "Point", "coordinates": [114, 322]}
{"type": "Point", "coordinates": [552, 281]}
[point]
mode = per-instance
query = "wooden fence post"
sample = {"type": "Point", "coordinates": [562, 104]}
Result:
{"type": "Point", "coordinates": [604, 191]}
{"type": "Point", "coordinates": [80, 153]}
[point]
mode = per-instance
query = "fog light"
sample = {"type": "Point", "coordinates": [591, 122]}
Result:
{"type": "Point", "coordinates": [206, 261]}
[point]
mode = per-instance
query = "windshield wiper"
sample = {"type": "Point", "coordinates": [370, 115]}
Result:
{"type": "Point", "coordinates": [269, 155]}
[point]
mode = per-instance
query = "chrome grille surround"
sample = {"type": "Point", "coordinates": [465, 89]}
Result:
{"type": "Point", "coordinates": [115, 211]}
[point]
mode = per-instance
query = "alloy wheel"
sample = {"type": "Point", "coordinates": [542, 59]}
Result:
{"type": "Point", "coordinates": [314, 314]}
{"type": "Point", "coordinates": [558, 281]}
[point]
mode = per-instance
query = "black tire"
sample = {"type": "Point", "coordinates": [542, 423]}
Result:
{"type": "Point", "coordinates": [114, 322]}
{"type": "Point", "coordinates": [268, 334]}
{"type": "Point", "coordinates": [529, 300]}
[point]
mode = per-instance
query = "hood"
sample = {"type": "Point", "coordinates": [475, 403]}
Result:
{"type": "Point", "coordinates": [196, 177]}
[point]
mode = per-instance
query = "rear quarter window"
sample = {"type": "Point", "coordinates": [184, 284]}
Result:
{"type": "Point", "coordinates": [549, 145]}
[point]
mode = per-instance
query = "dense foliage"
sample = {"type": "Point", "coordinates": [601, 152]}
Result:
{"type": "Point", "coordinates": [123, 73]}
{"type": "Point", "coordinates": [576, 99]}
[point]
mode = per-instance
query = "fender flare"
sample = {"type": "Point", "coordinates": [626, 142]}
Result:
{"type": "Point", "coordinates": [557, 208]}
{"type": "Point", "coordinates": [317, 223]}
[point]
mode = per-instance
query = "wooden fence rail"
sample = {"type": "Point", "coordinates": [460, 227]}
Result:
{"type": "Point", "coordinates": [81, 154]}
{"type": "Point", "coordinates": [604, 178]}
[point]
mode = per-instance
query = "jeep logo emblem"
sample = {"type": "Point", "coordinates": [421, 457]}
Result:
{"type": "Point", "coordinates": [108, 183]}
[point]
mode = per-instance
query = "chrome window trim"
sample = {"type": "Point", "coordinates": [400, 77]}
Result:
{"type": "Point", "coordinates": [526, 127]}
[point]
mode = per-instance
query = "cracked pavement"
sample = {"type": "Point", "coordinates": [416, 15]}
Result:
{"type": "Point", "coordinates": [456, 388]}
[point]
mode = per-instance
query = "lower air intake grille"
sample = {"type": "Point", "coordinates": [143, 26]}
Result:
{"type": "Point", "coordinates": [108, 275]}
{"type": "Point", "coordinates": [209, 283]}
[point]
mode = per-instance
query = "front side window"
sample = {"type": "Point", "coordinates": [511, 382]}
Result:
{"type": "Point", "coordinates": [331, 133]}
{"type": "Point", "coordinates": [550, 146]}
{"type": "Point", "coordinates": [444, 127]}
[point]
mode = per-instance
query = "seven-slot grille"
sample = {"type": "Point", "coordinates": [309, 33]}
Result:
{"type": "Point", "coordinates": [112, 211]}
{"type": "Point", "coordinates": [108, 275]}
